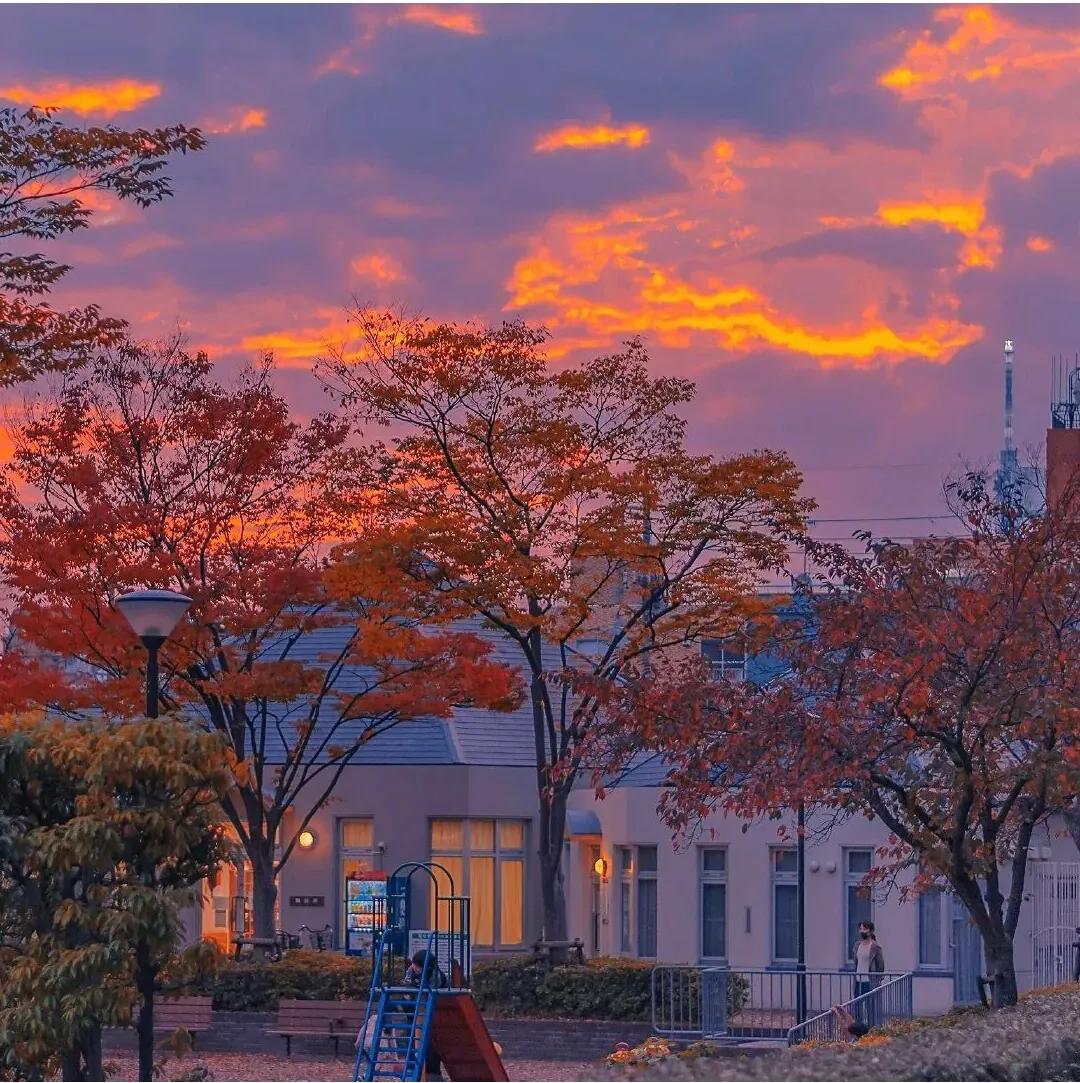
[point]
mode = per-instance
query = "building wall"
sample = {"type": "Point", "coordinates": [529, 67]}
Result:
{"type": "Point", "coordinates": [628, 819]}
{"type": "Point", "coordinates": [402, 801]}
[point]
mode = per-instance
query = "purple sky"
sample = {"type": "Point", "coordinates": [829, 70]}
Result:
{"type": "Point", "coordinates": [829, 217]}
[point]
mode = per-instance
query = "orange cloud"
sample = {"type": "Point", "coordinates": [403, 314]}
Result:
{"type": "Point", "coordinates": [458, 20]}
{"type": "Point", "coordinates": [982, 45]}
{"type": "Point", "coordinates": [240, 118]}
{"type": "Point", "coordinates": [577, 137]}
{"type": "Point", "coordinates": [597, 280]}
{"type": "Point", "coordinates": [964, 215]}
{"type": "Point", "coordinates": [299, 347]}
{"type": "Point", "coordinates": [1037, 243]}
{"type": "Point", "coordinates": [379, 267]}
{"type": "Point", "coordinates": [86, 99]}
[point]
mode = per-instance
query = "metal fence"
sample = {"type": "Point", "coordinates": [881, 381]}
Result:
{"type": "Point", "coordinates": [746, 1003]}
{"type": "Point", "coordinates": [888, 1001]}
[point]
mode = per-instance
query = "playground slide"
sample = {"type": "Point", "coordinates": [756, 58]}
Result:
{"type": "Point", "coordinates": [462, 1039]}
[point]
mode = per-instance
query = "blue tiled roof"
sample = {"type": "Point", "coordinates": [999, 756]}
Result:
{"type": "Point", "coordinates": [470, 736]}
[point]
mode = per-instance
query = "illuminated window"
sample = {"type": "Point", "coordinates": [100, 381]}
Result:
{"type": "Point", "coordinates": [486, 861]}
{"type": "Point", "coordinates": [356, 856]}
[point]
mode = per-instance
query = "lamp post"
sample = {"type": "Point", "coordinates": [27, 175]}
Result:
{"type": "Point", "coordinates": [152, 614]}
{"type": "Point", "coordinates": [800, 966]}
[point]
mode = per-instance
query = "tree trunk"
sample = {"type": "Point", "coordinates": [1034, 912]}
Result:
{"type": "Point", "coordinates": [264, 896]}
{"type": "Point", "coordinates": [94, 1068]}
{"type": "Point", "coordinates": [1000, 969]}
{"type": "Point", "coordinates": [552, 881]}
{"type": "Point", "coordinates": [71, 1065]}
{"type": "Point", "coordinates": [145, 981]}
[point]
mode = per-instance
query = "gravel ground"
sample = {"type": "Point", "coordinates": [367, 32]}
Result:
{"type": "Point", "coordinates": [251, 1066]}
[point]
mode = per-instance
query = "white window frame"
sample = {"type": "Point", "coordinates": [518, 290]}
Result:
{"type": "Point", "coordinates": [854, 880]}
{"type": "Point", "coordinates": [706, 877]}
{"type": "Point", "coordinates": [942, 942]}
{"type": "Point", "coordinates": [787, 879]}
{"type": "Point", "coordinates": [629, 880]}
{"type": "Point", "coordinates": [725, 668]}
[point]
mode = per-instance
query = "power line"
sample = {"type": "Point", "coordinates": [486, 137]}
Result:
{"type": "Point", "coordinates": [884, 519]}
{"type": "Point", "coordinates": [876, 466]}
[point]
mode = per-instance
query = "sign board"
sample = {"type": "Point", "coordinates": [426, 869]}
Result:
{"type": "Point", "coordinates": [446, 947]}
{"type": "Point", "coordinates": [307, 900]}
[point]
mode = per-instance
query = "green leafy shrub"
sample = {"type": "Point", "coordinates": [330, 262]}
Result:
{"type": "Point", "coordinates": [619, 990]}
{"type": "Point", "coordinates": [243, 986]}
{"type": "Point", "coordinates": [1038, 1039]}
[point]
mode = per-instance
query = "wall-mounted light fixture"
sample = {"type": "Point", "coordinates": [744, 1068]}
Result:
{"type": "Point", "coordinates": [600, 868]}
{"type": "Point", "coordinates": [306, 840]}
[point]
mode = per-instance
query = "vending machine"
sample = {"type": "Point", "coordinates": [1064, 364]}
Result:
{"type": "Point", "coordinates": [361, 920]}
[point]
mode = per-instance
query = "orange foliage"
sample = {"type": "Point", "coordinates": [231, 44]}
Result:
{"type": "Point", "coordinates": [563, 509]}
{"type": "Point", "coordinates": [932, 687]}
{"type": "Point", "coordinates": [147, 472]}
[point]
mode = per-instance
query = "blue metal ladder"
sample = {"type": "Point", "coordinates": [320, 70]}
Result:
{"type": "Point", "coordinates": [398, 1043]}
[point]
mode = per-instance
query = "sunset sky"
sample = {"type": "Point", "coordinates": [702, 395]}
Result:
{"type": "Point", "coordinates": [830, 218]}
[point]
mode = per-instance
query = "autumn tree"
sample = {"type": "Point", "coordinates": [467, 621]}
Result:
{"type": "Point", "coordinates": [561, 507]}
{"type": "Point", "coordinates": [144, 470]}
{"type": "Point", "coordinates": [931, 685]}
{"type": "Point", "coordinates": [48, 172]}
{"type": "Point", "coordinates": [105, 829]}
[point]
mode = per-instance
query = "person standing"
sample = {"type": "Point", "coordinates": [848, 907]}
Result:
{"type": "Point", "coordinates": [869, 962]}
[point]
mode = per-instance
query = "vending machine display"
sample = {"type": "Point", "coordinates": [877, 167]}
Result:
{"type": "Point", "coordinates": [361, 920]}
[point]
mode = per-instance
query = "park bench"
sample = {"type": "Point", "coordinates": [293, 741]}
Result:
{"type": "Point", "coordinates": [193, 1014]}
{"type": "Point", "coordinates": [333, 1019]}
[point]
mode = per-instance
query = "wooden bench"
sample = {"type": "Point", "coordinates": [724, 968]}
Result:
{"type": "Point", "coordinates": [333, 1019]}
{"type": "Point", "coordinates": [193, 1014]}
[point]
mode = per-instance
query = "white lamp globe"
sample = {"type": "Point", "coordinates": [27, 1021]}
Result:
{"type": "Point", "coordinates": [153, 614]}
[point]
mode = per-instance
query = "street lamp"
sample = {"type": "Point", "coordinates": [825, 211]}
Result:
{"type": "Point", "coordinates": [152, 614]}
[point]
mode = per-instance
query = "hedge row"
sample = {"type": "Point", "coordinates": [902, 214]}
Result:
{"type": "Point", "coordinates": [611, 989]}
{"type": "Point", "coordinates": [1038, 1039]}
{"type": "Point", "coordinates": [300, 975]}
{"type": "Point", "coordinates": [616, 990]}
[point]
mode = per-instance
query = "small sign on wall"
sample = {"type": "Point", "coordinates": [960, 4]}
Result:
{"type": "Point", "coordinates": [307, 900]}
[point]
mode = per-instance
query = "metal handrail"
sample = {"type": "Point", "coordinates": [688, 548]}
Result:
{"type": "Point", "coordinates": [890, 1000]}
{"type": "Point", "coordinates": [745, 1002]}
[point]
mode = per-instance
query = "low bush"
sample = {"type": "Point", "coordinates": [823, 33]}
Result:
{"type": "Point", "coordinates": [1038, 1039]}
{"type": "Point", "coordinates": [248, 986]}
{"type": "Point", "coordinates": [618, 990]}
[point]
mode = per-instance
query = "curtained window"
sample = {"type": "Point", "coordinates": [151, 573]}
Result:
{"type": "Point", "coordinates": [486, 859]}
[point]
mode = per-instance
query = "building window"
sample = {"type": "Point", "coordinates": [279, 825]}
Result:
{"type": "Point", "coordinates": [646, 902]}
{"type": "Point", "coordinates": [713, 878]}
{"type": "Point", "coordinates": [930, 950]}
{"type": "Point", "coordinates": [637, 900]}
{"type": "Point", "coordinates": [726, 658]}
{"type": "Point", "coordinates": [486, 860]}
{"type": "Point", "coordinates": [858, 898]}
{"type": "Point", "coordinates": [356, 856]}
{"type": "Point", "coordinates": [785, 899]}
{"type": "Point", "coordinates": [626, 887]}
